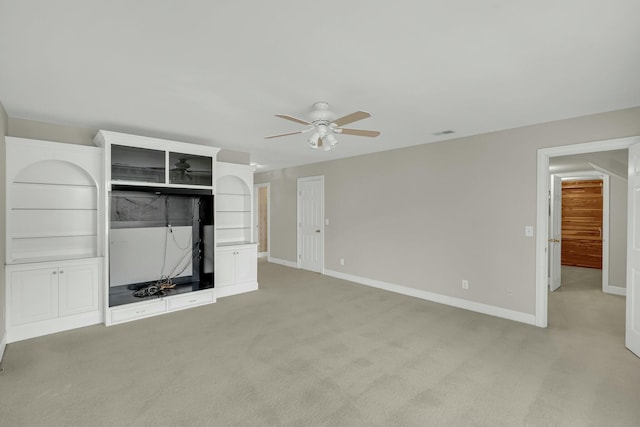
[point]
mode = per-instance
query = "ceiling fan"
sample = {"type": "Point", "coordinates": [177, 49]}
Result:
{"type": "Point", "coordinates": [324, 125]}
{"type": "Point", "coordinates": [181, 170]}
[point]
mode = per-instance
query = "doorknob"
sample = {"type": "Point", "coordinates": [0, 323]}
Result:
{"type": "Point", "coordinates": [554, 240]}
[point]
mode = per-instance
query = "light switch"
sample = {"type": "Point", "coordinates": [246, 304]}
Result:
{"type": "Point", "coordinates": [528, 231]}
{"type": "Point", "coordinates": [326, 221]}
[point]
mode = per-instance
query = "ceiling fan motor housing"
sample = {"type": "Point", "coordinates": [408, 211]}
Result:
{"type": "Point", "coordinates": [321, 114]}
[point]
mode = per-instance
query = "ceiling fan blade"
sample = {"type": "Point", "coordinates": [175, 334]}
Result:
{"type": "Point", "coordinates": [293, 119]}
{"type": "Point", "coordinates": [350, 118]}
{"type": "Point", "coordinates": [359, 132]}
{"type": "Point", "coordinates": [284, 134]}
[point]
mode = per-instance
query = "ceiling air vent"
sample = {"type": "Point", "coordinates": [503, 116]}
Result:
{"type": "Point", "coordinates": [444, 132]}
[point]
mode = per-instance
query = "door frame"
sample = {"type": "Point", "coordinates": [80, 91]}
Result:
{"type": "Point", "coordinates": [256, 218]}
{"type": "Point", "coordinates": [542, 210]}
{"type": "Point", "coordinates": [298, 234]}
{"type": "Point", "coordinates": [554, 264]}
{"type": "Point", "coordinates": [590, 174]}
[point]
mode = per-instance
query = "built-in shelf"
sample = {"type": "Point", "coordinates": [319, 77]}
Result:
{"type": "Point", "coordinates": [160, 225]}
{"type": "Point", "coordinates": [233, 228]}
{"type": "Point", "coordinates": [52, 202]}
{"type": "Point", "coordinates": [53, 238]}
{"type": "Point", "coordinates": [233, 204]}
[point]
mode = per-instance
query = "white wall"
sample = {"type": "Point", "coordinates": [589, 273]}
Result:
{"type": "Point", "coordinates": [617, 232]}
{"type": "Point", "coordinates": [428, 216]}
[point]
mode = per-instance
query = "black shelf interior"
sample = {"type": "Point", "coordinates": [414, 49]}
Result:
{"type": "Point", "coordinates": [140, 208]}
{"type": "Point", "coordinates": [123, 294]}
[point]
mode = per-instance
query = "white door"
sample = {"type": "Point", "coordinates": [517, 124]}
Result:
{"type": "Point", "coordinates": [246, 264]}
{"type": "Point", "coordinates": [310, 223]}
{"type": "Point", "coordinates": [33, 295]}
{"type": "Point", "coordinates": [633, 252]}
{"type": "Point", "coordinates": [555, 233]}
{"type": "Point", "coordinates": [225, 273]}
{"type": "Point", "coordinates": [77, 289]}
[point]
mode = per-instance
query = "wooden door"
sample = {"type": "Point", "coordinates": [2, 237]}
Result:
{"type": "Point", "coordinates": [582, 223]}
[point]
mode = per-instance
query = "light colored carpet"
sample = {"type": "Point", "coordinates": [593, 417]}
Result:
{"type": "Point", "coordinates": [308, 350]}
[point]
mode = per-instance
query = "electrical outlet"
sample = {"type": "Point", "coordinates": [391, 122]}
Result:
{"type": "Point", "coordinates": [465, 284]}
{"type": "Point", "coordinates": [341, 261]}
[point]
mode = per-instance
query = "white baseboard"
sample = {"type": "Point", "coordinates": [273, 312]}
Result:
{"type": "Point", "coordinates": [3, 345]}
{"type": "Point", "coordinates": [51, 326]}
{"type": "Point", "coordinates": [615, 290]}
{"type": "Point", "coordinates": [441, 299]}
{"type": "Point", "coordinates": [282, 262]}
{"type": "Point", "coordinates": [226, 291]}
{"type": "Point", "coordinates": [263, 254]}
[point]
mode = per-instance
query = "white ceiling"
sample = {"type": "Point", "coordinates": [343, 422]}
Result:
{"type": "Point", "coordinates": [216, 72]}
{"type": "Point", "coordinates": [614, 162]}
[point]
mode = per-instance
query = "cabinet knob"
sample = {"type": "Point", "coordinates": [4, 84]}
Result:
{"type": "Point", "coordinates": [54, 272]}
{"type": "Point", "coordinates": [61, 271]}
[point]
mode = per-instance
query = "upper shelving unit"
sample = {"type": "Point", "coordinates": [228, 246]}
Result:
{"type": "Point", "coordinates": [151, 162]}
{"type": "Point", "coordinates": [53, 193]}
{"type": "Point", "coordinates": [234, 218]}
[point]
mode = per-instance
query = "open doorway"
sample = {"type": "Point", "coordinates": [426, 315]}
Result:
{"type": "Point", "coordinates": [583, 208]}
{"type": "Point", "coordinates": [261, 194]}
{"type": "Point", "coordinates": [583, 300]}
{"type": "Point", "coordinates": [588, 217]}
{"type": "Point", "coordinates": [543, 206]}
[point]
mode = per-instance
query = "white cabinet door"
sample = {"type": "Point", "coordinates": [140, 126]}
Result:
{"type": "Point", "coordinates": [246, 264]}
{"type": "Point", "coordinates": [78, 289]}
{"type": "Point", "coordinates": [225, 267]}
{"type": "Point", "coordinates": [33, 295]}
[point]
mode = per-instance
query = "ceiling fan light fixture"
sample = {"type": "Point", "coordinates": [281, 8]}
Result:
{"type": "Point", "coordinates": [324, 125]}
{"type": "Point", "coordinates": [332, 141]}
{"type": "Point", "coordinates": [313, 140]}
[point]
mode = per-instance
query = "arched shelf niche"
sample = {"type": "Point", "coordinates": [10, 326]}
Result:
{"type": "Point", "coordinates": [233, 211]}
{"type": "Point", "coordinates": [52, 213]}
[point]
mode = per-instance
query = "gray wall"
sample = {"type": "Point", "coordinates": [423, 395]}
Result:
{"type": "Point", "coordinates": [3, 131]}
{"type": "Point", "coordinates": [84, 136]}
{"type": "Point", "coordinates": [428, 216]}
{"type": "Point", "coordinates": [617, 232]}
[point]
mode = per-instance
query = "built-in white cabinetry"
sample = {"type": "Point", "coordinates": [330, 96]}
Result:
{"type": "Point", "coordinates": [237, 269]}
{"type": "Point", "coordinates": [236, 253]}
{"type": "Point", "coordinates": [53, 257]}
{"type": "Point", "coordinates": [234, 203]}
{"type": "Point", "coordinates": [88, 228]}
{"type": "Point", "coordinates": [52, 296]}
{"type": "Point", "coordinates": [160, 225]}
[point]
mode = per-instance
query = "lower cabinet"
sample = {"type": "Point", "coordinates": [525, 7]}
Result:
{"type": "Point", "coordinates": [140, 310]}
{"type": "Point", "coordinates": [44, 298]}
{"type": "Point", "coordinates": [236, 269]}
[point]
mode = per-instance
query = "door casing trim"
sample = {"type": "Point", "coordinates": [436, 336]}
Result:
{"type": "Point", "coordinates": [542, 209]}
